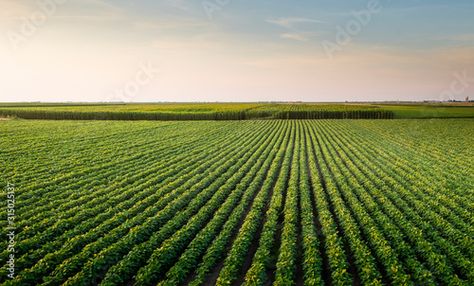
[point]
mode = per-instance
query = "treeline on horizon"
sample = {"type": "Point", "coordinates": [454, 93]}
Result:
{"type": "Point", "coordinates": [216, 115]}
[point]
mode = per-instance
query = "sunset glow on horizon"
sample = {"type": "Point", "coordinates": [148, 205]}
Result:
{"type": "Point", "coordinates": [177, 50]}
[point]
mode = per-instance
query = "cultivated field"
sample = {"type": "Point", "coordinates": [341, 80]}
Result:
{"type": "Point", "coordinates": [234, 111]}
{"type": "Point", "coordinates": [289, 202]}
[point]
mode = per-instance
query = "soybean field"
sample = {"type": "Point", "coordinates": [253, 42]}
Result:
{"type": "Point", "coordinates": [254, 202]}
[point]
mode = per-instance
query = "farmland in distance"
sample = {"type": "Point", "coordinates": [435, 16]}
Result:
{"type": "Point", "coordinates": [235, 111]}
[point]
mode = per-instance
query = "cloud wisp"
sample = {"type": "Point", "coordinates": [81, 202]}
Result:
{"type": "Point", "coordinates": [291, 22]}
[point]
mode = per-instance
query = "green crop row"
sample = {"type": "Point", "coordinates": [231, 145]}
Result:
{"type": "Point", "coordinates": [255, 202]}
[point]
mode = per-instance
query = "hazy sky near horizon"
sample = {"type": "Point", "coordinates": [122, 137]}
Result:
{"type": "Point", "coordinates": [229, 50]}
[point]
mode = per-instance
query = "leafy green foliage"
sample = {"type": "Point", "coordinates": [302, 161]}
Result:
{"type": "Point", "coordinates": [288, 202]}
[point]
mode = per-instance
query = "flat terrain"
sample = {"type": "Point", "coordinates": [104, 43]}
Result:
{"type": "Point", "coordinates": [289, 202]}
{"type": "Point", "coordinates": [236, 111]}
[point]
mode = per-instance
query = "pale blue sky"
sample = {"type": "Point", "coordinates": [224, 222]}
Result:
{"type": "Point", "coordinates": [178, 50]}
